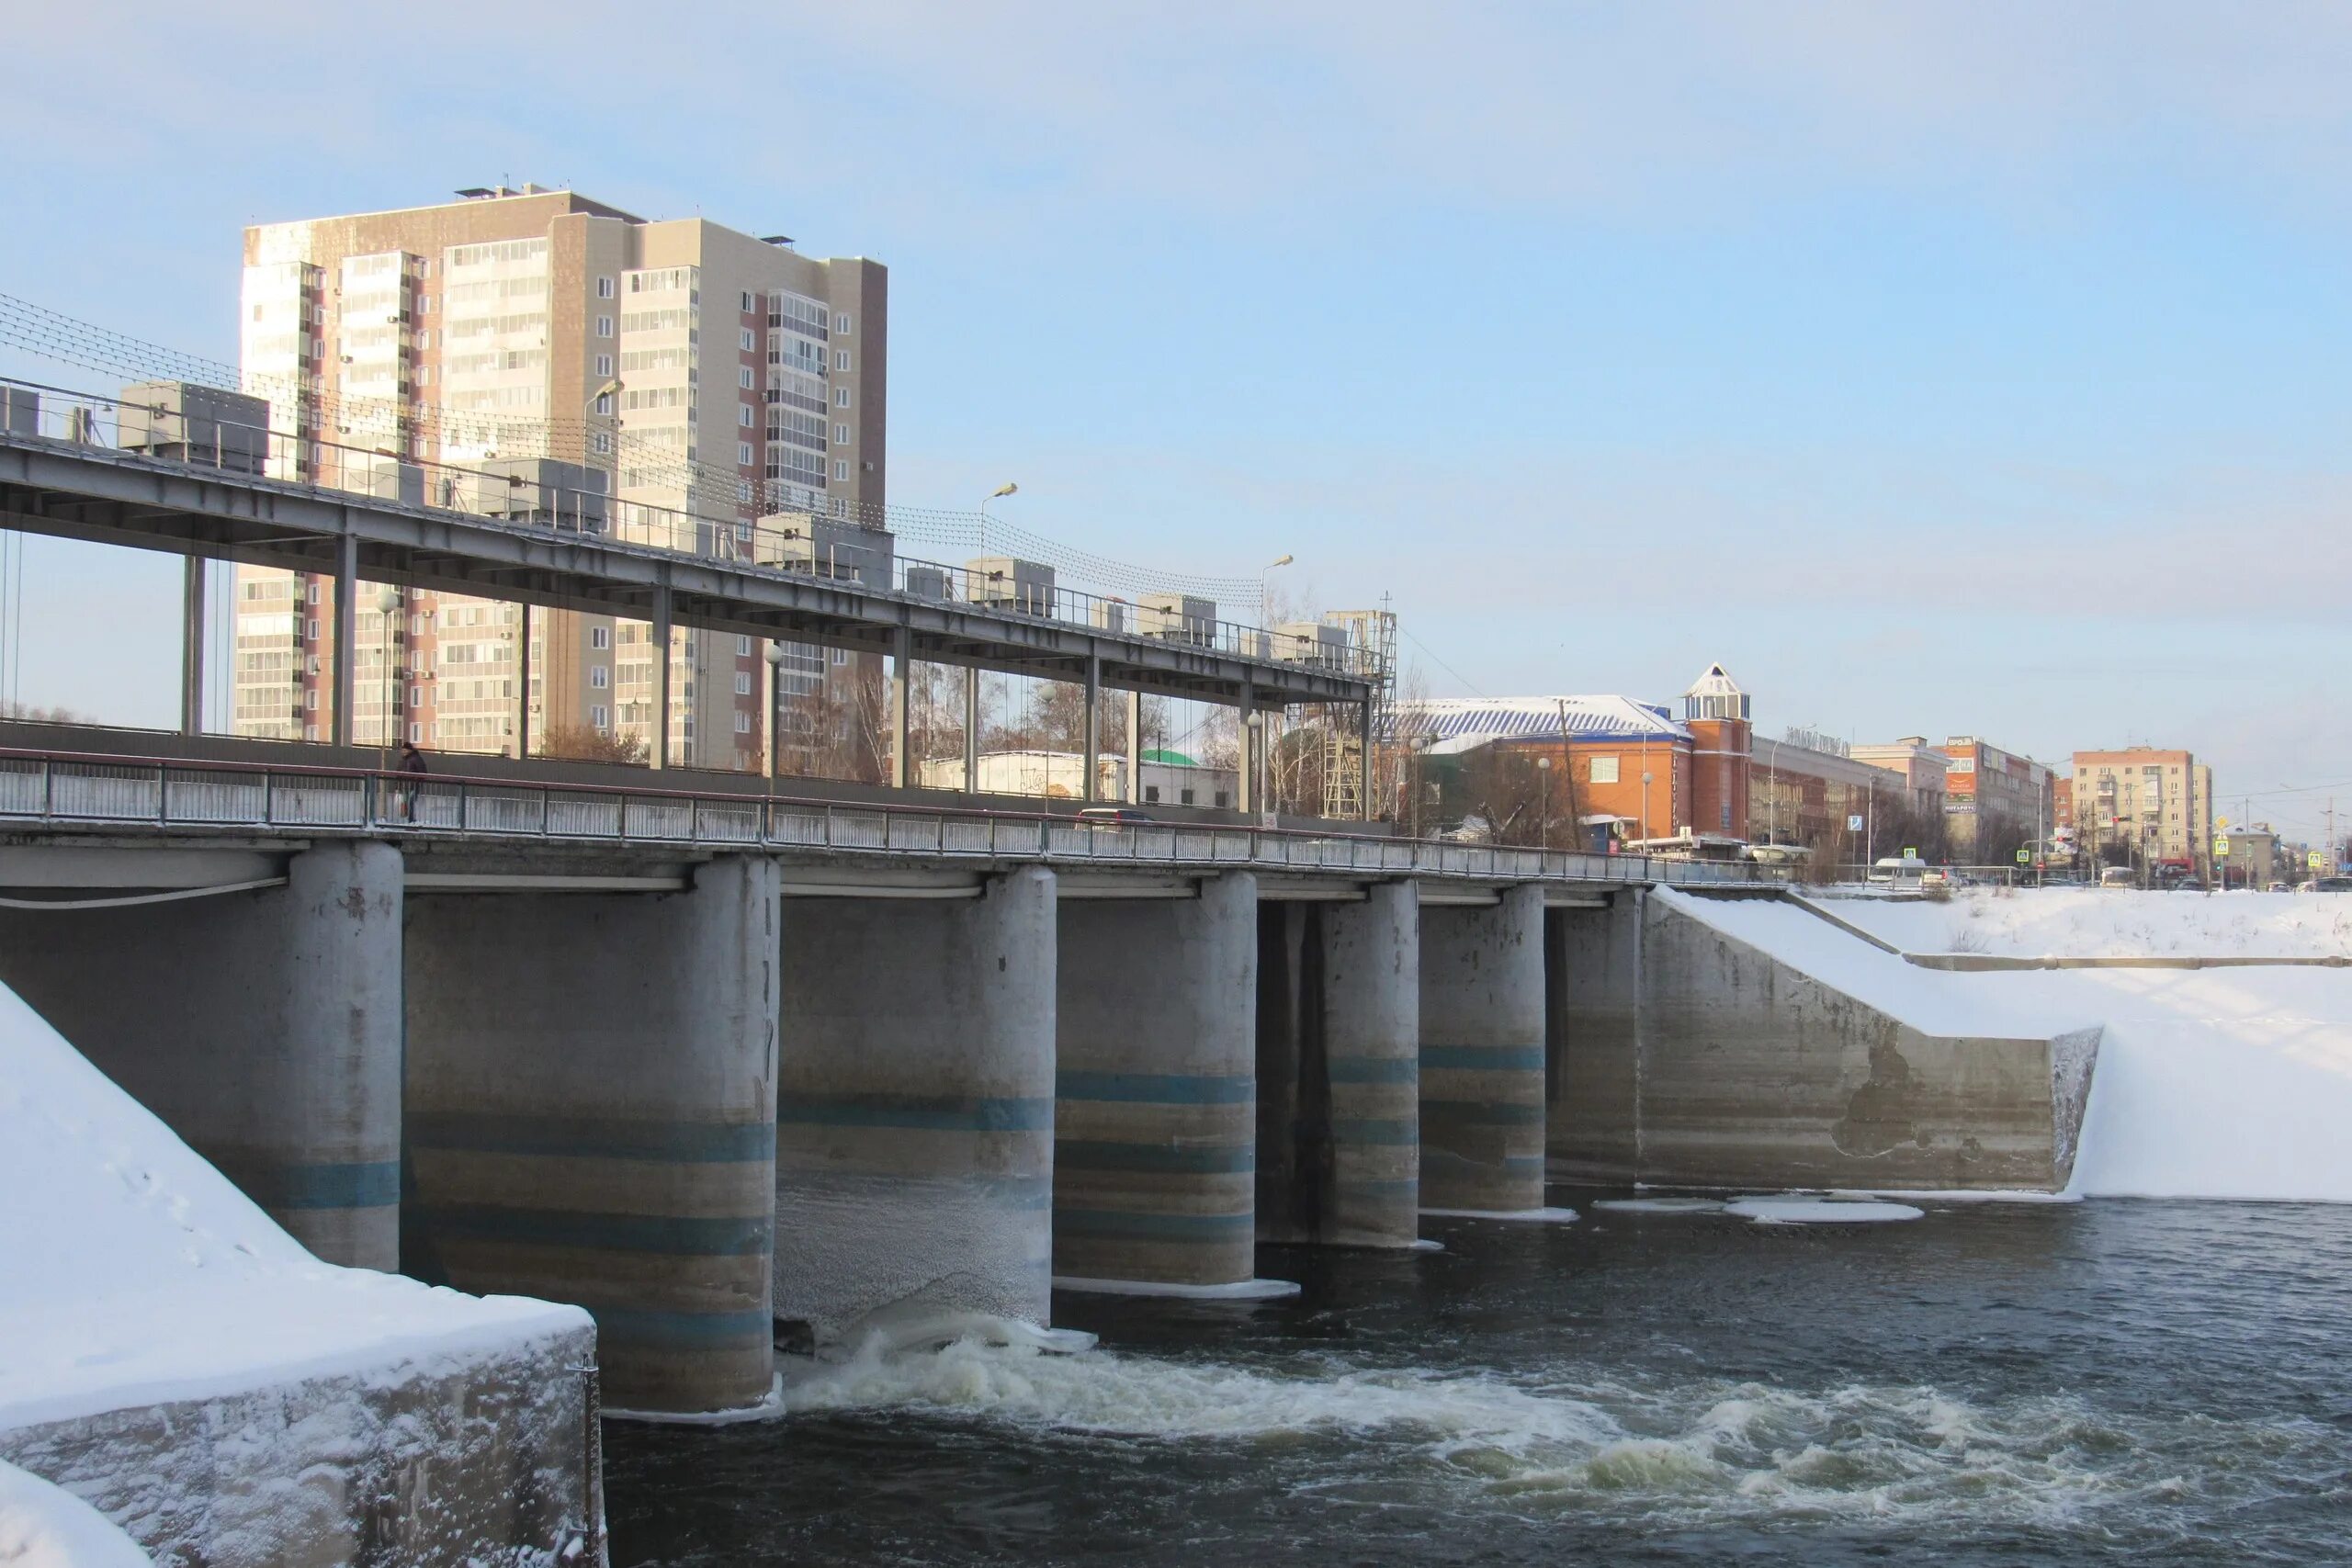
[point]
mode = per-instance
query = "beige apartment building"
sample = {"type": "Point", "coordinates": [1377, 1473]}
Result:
{"type": "Point", "coordinates": [700, 377]}
{"type": "Point", "coordinates": [1994, 801]}
{"type": "Point", "coordinates": [2158, 803]}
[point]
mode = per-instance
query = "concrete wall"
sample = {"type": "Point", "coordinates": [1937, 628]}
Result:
{"type": "Point", "coordinates": [1155, 1114]}
{"type": "Point", "coordinates": [1338, 1070]}
{"type": "Point", "coordinates": [263, 1027]}
{"type": "Point", "coordinates": [915, 1139]}
{"type": "Point", "coordinates": [1482, 1061]}
{"type": "Point", "coordinates": [1754, 1075]}
{"type": "Point", "coordinates": [591, 1084]}
{"type": "Point", "coordinates": [1592, 1036]}
{"type": "Point", "coordinates": [482, 1459]}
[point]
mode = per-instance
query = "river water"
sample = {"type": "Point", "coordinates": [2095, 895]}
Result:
{"type": "Point", "coordinates": [2108, 1382]}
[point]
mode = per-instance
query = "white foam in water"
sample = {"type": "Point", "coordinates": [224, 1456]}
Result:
{"type": "Point", "coordinates": [1659, 1205]}
{"type": "Point", "coordinates": [1802, 1208]}
{"type": "Point", "coordinates": [1700, 1450]}
{"type": "Point", "coordinates": [1544, 1217]}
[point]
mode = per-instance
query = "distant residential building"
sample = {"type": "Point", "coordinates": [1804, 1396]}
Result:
{"type": "Point", "coordinates": [1994, 801]}
{"type": "Point", "coordinates": [1923, 769]}
{"type": "Point", "coordinates": [2255, 857]}
{"type": "Point", "coordinates": [692, 373]}
{"type": "Point", "coordinates": [1622, 768]}
{"type": "Point", "coordinates": [2153, 805]}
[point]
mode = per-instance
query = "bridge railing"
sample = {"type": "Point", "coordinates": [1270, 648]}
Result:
{"type": "Point", "coordinates": [59, 789]}
{"type": "Point", "coordinates": [755, 528]}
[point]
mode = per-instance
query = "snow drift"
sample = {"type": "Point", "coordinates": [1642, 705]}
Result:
{"type": "Point", "coordinates": [170, 1355]}
{"type": "Point", "coordinates": [2213, 1083]}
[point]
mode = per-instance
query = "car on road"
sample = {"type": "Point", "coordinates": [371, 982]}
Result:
{"type": "Point", "coordinates": [1111, 817]}
{"type": "Point", "coordinates": [2119, 876]}
{"type": "Point", "coordinates": [2331, 884]}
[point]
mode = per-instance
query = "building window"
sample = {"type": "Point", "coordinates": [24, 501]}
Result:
{"type": "Point", "coordinates": [840, 359]}
{"type": "Point", "coordinates": [742, 647]}
{"type": "Point", "coordinates": [841, 396]}
{"type": "Point", "coordinates": [604, 289]}
{"type": "Point", "coordinates": [604, 442]}
{"type": "Point", "coordinates": [743, 379]}
{"type": "Point", "coordinates": [743, 413]}
{"type": "Point", "coordinates": [841, 322]}
{"type": "Point", "coordinates": [742, 454]}
{"type": "Point", "coordinates": [840, 468]}
{"type": "Point", "coordinates": [1604, 770]}
{"type": "Point", "coordinates": [605, 402]}
{"type": "Point", "coordinates": [600, 636]}
{"type": "Point", "coordinates": [310, 700]}
{"type": "Point", "coordinates": [749, 306]}
{"type": "Point", "coordinates": [604, 365]}
{"type": "Point", "coordinates": [841, 657]}
{"type": "Point", "coordinates": [604, 326]}
{"type": "Point", "coordinates": [743, 724]}
{"type": "Point", "coordinates": [600, 718]}
{"type": "Point", "coordinates": [313, 593]}
{"type": "Point", "coordinates": [1150, 792]}
{"type": "Point", "coordinates": [840, 435]}
{"type": "Point", "coordinates": [314, 628]}
{"type": "Point", "coordinates": [415, 697]}
{"type": "Point", "coordinates": [749, 344]}
{"type": "Point", "coordinates": [423, 304]}
{"type": "Point", "coordinates": [1184, 797]}
{"type": "Point", "coordinates": [599, 677]}
{"type": "Point", "coordinates": [415, 733]}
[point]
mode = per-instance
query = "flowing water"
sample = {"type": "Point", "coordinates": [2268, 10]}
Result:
{"type": "Point", "coordinates": [2107, 1382]}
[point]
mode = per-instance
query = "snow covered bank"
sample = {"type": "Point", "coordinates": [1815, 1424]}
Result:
{"type": "Point", "coordinates": [2077, 922]}
{"type": "Point", "coordinates": [46, 1526]}
{"type": "Point", "coordinates": [170, 1355]}
{"type": "Point", "coordinates": [2215, 1083]}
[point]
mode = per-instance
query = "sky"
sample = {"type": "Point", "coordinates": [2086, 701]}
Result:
{"type": "Point", "coordinates": [1937, 368]}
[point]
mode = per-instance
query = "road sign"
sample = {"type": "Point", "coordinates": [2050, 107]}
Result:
{"type": "Point", "coordinates": [2223, 823]}
{"type": "Point", "coordinates": [1854, 823]}
{"type": "Point", "coordinates": [2221, 847]}
{"type": "Point", "coordinates": [2024, 855]}
{"type": "Point", "coordinates": [1910, 854]}
{"type": "Point", "coordinates": [2314, 860]}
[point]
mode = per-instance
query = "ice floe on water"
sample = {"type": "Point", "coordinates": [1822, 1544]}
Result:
{"type": "Point", "coordinates": [1801, 1209]}
{"type": "Point", "coordinates": [1660, 1205]}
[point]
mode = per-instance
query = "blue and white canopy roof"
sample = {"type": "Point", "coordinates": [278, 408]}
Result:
{"type": "Point", "coordinates": [1463, 724]}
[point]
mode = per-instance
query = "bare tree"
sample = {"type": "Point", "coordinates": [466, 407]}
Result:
{"type": "Point", "coordinates": [586, 743]}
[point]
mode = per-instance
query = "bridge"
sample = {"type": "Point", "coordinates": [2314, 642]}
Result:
{"type": "Point", "coordinates": [730, 1066]}
{"type": "Point", "coordinates": [571, 546]}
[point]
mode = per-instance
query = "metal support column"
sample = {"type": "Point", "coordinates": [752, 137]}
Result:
{"type": "Point", "coordinates": [902, 662]}
{"type": "Point", "coordinates": [971, 730]}
{"type": "Point", "coordinates": [192, 647]}
{"type": "Point", "coordinates": [1363, 779]}
{"type": "Point", "coordinates": [1135, 747]}
{"type": "Point", "coordinates": [661, 748]}
{"type": "Point", "coordinates": [1092, 729]}
{"type": "Point", "coordinates": [346, 642]}
{"type": "Point", "coordinates": [523, 681]}
{"type": "Point", "coordinates": [1245, 795]}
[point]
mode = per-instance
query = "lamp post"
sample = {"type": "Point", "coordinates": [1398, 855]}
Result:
{"type": "Point", "coordinates": [1265, 590]}
{"type": "Point", "coordinates": [1544, 823]}
{"type": "Point", "coordinates": [1007, 488]}
{"type": "Point", "coordinates": [387, 601]}
{"type": "Point", "coordinates": [775, 712]}
{"type": "Point", "coordinates": [972, 672]}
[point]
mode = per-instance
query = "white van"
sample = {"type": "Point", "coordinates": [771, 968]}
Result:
{"type": "Point", "coordinates": [1898, 871]}
{"type": "Point", "coordinates": [2119, 876]}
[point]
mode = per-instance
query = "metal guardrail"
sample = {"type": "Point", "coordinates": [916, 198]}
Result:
{"type": "Point", "coordinates": [62, 790]}
{"type": "Point", "coordinates": [205, 439]}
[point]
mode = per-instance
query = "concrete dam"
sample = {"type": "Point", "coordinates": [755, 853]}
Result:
{"type": "Point", "coordinates": [727, 1097]}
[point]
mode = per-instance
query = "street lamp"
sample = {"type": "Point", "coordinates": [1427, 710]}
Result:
{"type": "Point", "coordinates": [387, 601]}
{"type": "Point", "coordinates": [1544, 823]}
{"type": "Point", "coordinates": [1265, 596]}
{"type": "Point", "coordinates": [1007, 488]}
{"type": "Point", "coordinates": [775, 712]}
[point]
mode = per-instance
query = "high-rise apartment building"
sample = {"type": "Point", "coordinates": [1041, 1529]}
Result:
{"type": "Point", "coordinates": [700, 377]}
{"type": "Point", "coordinates": [2156, 804]}
{"type": "Point", "coordinates": [1994, 801]}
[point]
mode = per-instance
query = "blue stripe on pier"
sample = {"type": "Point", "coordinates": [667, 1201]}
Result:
{"type": "Point", "coordinates": [1094, 1153]}
{"type": "Point", "coordinates": [667, 1234]}
{"type": "Point", "coordinates": [650, 1326]}
{"type": "Point", "coordinates": [949, 1113]}
{"type": "Point", "coordinates": [1158, 1089]}
{"type": "Point", "coordinates": [1112, 1224]}
{"type": "Point", "coordinates": [355, 1184]}
{"type": "Point", "coordinates": [590, 1137]}
{"type": "Point", "coordinates": [1484, 1058]}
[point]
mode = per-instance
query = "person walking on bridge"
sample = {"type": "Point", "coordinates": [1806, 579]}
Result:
{"type": "Point", "coordinates": [412, 767]}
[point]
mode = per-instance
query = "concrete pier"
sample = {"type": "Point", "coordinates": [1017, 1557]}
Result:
{"type": "Point", "coordinates": [263, 1026]}
{"type": "Point", "coordinates": [1338, 1070]}
{"type": "Point", "coordinates": [1155, 1114]}
{"type": "Point", "coordinates": [1593, 1040]}
{"type": "Point", "coordinates": [1482, 1008]}
{"type": "Point", "coordinates": [591, 1119]}
{"type": "Point", "coordinates": [915, 1139]}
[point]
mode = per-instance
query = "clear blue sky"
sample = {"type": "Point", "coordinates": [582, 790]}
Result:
{"type": "Point", "coordinates": [1940, 368]}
